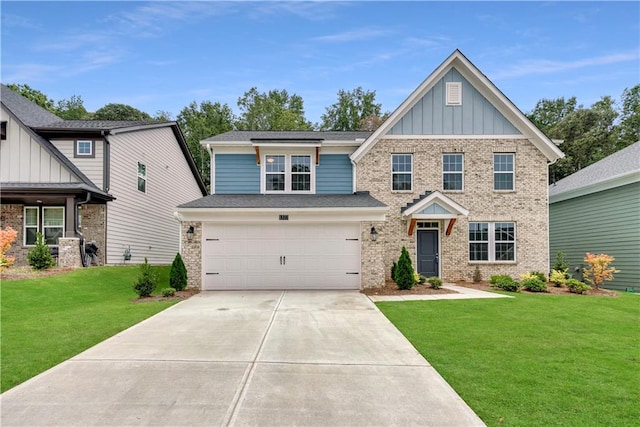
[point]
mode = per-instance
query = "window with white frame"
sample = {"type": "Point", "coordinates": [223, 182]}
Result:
{"type": "Point", "coordinates": [492, 241]}
{"type": "Point", "coordinates": [142, 177]}
{"type": "Point", "coordinates": [288, 173]}
{"type": "Point", "coordinates": [51, 226]}
{"type": "Point", "coordinates": [452, 172]}
{"type": "Point", "coordinates": [401, 172]}
{"type": "Point", "coordinates": [503, 172]}
{"type": "Point", "coordinates": [84, 148]}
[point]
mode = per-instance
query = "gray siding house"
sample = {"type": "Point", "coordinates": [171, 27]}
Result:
{"type": "Point", "coordinates": [597, 210]}
{"type": "Point", "coordinates": [112, 182]}
{"type": "Point", "coordinates": [457, 174]}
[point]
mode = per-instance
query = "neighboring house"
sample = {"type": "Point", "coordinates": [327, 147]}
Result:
{"type": "Point", "coordinates": [115, 183]}
{"type": "Point", "coordinates": [597, 210]}
{"type": "Point", "coordinates": [457, 174]}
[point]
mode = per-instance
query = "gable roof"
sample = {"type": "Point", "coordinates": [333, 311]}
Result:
{"type": "Point", "coordinates": [433, 197]}
{"type": "Point", "coordinates": [483, 85]}
{"type": "Point", "coordinates": [29, 113]}
{"type": "Point", "coordinates": [617, 169]}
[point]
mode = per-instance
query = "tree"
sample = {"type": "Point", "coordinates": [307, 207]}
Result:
{"type": "Point", "coordinates": [72, 109]}
{"type": "Point", "coordinates": [39, 257]}
{"type": "Point", "coordinates": [7, 237]}
{"type": "Point", "coordinates": [629, 127]}
{"type": "Point", "coordinates": [163, 116]}
{"type": "Point", "coordinates": [178, 274]}
{"type": "Point", "coordinates": [549, 112]}
{"type": "Point", "coordinates": [33, 95]}
{"type": "Point", "coordinates": [275, 110]}
{"type": "Point", "coordinates": [146, 282]}
{"type": "Point", "coordinates": [202, 121]}
{"type": "Point", "coordinates": [354, 110]}
{"type": "Point", "coordinates": [404, 273]}
{"type": "Point", "coordinates": [120, 112]}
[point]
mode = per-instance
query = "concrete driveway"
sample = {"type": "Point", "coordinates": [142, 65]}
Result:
{"type": "Point", "coordinates": [269, 358]}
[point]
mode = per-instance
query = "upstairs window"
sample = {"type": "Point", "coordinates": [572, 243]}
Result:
{"type": "Point", "coordinates": [142, 177]}
{"type": "Point", "coordinates": [452, 172]}
{"type": "Point", "coordinates": [275, 173]}
{"type": "Point", "coordinates": [401, 172]}
{"type": "Point", "coordinates": [503, 172]}
{"type": "Point", "coordinates": [84, 148]}
{"type": "Point", "coordinates": [288, 173]}
{"type": "Point", "coordinates": [300, 173]}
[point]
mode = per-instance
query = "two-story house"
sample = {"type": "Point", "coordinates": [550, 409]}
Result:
{"type": "Point", "coordinates": [457, 174]}
{"type": "Point", "coordinates": [112, 182]}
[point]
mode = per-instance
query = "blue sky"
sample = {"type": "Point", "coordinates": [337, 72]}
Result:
{"type": "Point", "coordinates": [163, 55]}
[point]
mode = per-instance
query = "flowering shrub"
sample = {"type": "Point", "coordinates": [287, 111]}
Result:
{"type": "Point", "coordinates": [7, 237]}
{"type": "Point", "coordinates": [598, 270]}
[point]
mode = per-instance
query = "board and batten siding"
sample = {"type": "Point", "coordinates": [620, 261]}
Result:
{"type": "Point", "coordinates": [237, 174]}
{"type": "Point", "coordinates": [92, 167]}
{"type": "Point", "coordinates": [334, 174]}
{"type": "Point", "coordinates": [603, 222]}
{"type": "Point", "coordinates": [431, 116]}
{"type": "Point", "coordinates": [24, 160]}
{"type": "Point", "coordinates": [144, 222]}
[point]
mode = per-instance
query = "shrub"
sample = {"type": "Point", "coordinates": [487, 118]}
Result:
{"type": "Point", "coordinates": [404, 271]}
{"type": "Point", "coordinates": [506, 283]}
{"type": "Point", "coordinates": [560, 262]}
{"type": "Point", "coordinates": [477, 276]}
{"type": "Point", "coordinates": [435, 282]}
{"type": "Point", "coordinates": [168, 292]}
{"type": "Point", "coordinates": [421, 279]}
{"type": "Point", "coordinates": [534, 284]}
{"type": "Point", "coordinates": [39, 257]}
{"type": "Point", "coordinates": [147, 281]}
{"type": "Point", "coordinates": [539, 275]}
{"type": "Point", "coordinates": [7, 237]}
{"type": "Point", "coordinates": [178, 274]}
{"type": "Point", "coordinates": [558, 277]}
{"type": "Point", "coordinates": [577, 287]}
{"type": "Point", "coordinates": [598, 270]}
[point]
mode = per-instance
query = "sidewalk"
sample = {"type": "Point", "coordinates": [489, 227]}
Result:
{"type": "Point", "coordinates": [462, 293]}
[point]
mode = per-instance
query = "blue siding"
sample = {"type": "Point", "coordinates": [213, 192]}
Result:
{"type": "Point", "coordinates": [476, 115]}
{"type": "Point", "coordinates": [334, 174]}
{"type": "Point", "coordinates": [237, 174]}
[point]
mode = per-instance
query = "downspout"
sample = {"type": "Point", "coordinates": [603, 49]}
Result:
{"type": "Point", "coordinates": [549, 217]}
{"type": "Point", "coordinates": [106, 162]}
{"type": "Point", "coordinates": [354, 185]}
{"type": "Point", "coordinates": [77, 230]}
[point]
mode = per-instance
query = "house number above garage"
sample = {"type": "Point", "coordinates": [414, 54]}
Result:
{"type": "Point", "coordinates": [283, 217]}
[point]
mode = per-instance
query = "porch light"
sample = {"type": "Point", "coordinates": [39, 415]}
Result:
{"type": "Point", "coordinates": [374, 234]}
{"type": "Point", "coordinates": [190, 233]}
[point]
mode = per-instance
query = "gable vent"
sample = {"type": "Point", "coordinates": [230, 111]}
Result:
{"type": "Point", "coordinates": [454, 93]}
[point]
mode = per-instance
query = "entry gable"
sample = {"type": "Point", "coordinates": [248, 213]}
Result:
{"type": "Point", "coordinates": [433, 205]}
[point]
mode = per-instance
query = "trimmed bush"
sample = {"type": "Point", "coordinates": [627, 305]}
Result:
{"type": "Point", "coordinates": [534, 284]}
{"type": "Point", "coordinates": [421, 279]}
{"type": "Point", "coordinates": [577, 287]}
{"type": "Point", "coordinates": [147, 281]}
{"type": "Point", "coordinates": [178, 274]}
{"type": "Point", "coordinates": [404, 271]}
{"type": "Point", "coordinates": [168, 292]}
{"type": "Point", "coordinates": [558, 277]}
{"type": "Point", "coordinates": [435, 282]}
{"type": "Point", "coordinates": [506, 283]}
{"type": "Point", "coordinates": [539, 275]}
{"type": "Point", "coordinates": [39, 257]}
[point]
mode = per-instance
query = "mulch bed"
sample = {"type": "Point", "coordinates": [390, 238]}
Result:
{"type": "Point", "coordinates": [390, 288]}
{"type": "Point", "coordinates": [180, 295]}
{"type": "Point", "coordinates": [551, 289]}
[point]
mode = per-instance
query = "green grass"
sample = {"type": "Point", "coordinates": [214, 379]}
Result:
{"type": "Point", "coordinates": [535, 360]}
{"type": "Point", "coordinates": [47, 320]}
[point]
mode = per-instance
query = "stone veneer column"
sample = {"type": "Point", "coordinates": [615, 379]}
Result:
{"type": "Point", "coordinates": [69, 252]}
{"type": "Point", "coordinates": [372, 255]}
{"type": "Point", "coordinates": [192, 254]}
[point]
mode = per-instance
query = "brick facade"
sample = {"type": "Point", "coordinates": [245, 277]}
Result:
{"type": "Point", "coordinates": [526, 206]}
{"type": "Point", "coordinates": [94, 221]}
{"type": "Point", "coordinates": [192, 254]}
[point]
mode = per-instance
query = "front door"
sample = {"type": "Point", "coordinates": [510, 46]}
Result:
{"type": "Point", "coordinates": [428, 257]}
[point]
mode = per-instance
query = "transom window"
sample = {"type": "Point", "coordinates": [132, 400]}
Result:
{"type": "Point", "coordinates": [401, 172]}
{"type": "Point", "coordinates": [51, 226]}
{"type": "Point", "coordinates": [288, 173]}
{"type": "Point", "coordinates": [452, 172]}
{"type": "Point", "coordinates": [142, 177]}
{"type": "Point", "coordinates": [503, 176]}
{"type": "Point", "coordinates": [84, 148]}
{"type": "Point", "coordinates": [492, 241]}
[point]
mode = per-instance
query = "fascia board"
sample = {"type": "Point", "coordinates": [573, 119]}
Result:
{"type": "Point", "coordinates": [116, 131]}
{"type": "Point", "coordinates": [617, 181]}
{"type": "Point", "coordinates": [436, 196]}
{"type": "Point", "coordinates": [272, 214]}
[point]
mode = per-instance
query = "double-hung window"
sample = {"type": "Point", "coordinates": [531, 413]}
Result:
{"type": "Point", "coordinates": [503, 172]}
{"type": "Point", "coordinates": [51, 226]}
{"type": "Point", "coordinates": [142, 177]}
{"type": "Point", "coordinates": [452, 172]}
{"type": "Point", "coordinates": [401, 172]}
{"type": "Point", "coordinates": [288, 173]}
{"type": "Point", "coordinates": [492, 241]}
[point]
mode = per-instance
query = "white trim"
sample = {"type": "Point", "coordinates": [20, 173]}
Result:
{"type": "Point", "coordinates": [491, 243]}
{"type": "Point", "coordinates": [212, 171]}
{"type": "Point", "coordinates": [287, 173]}
{"type": "Point", "coordinates": [461, 190]}
{"type": "Point", "coordinates": [512, 172]}
{"type": "Point", "coordinates": [402, 173]}
{"type": "Point", "coordinates": [448, 136]}
{"type": "Point", "coordinates": [453, 94]}
{"type": "Point", "coordinates": [436, 196]}
{"type": "Point", "coordinates": [486, 88]}
{"type": "Point", "coordinates": [77, 152]}
{"type": "Point", "coordinates": [439, 253]}
{"type": "Point", "coordinates": [285, 145]}
{"type": "Point", "coordinates": [616, 181]}
{"type": "Point", "coordinates": [272, 214]}
{"type": "Point", "coordinates": [57, 226]}
{"type": "Point", "coordinates": [24, 223]}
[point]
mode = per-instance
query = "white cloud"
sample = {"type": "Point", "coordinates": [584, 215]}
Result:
{"type": "Point", "coordinates": [355, 35]}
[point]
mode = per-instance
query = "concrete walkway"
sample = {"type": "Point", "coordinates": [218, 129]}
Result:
{"type": "Point", "coordinates": [269, 358]}
{"type": "Point", "coordinates": [462, 293]}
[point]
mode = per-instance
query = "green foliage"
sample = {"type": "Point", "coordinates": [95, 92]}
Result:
{"type": "Point", "coordinates": [147, 281]}
{"type": "Point", "coordinates": [541, 276]}
{"type": "Point", "coordinates": [559, 277]}
{"type": "Point", "coordinates": [178, 275]}
{"type": "Point", "coordinates": [628, 130]}
{"type": "Point", "coordinates": [404, 271]}
{"type": "Point", "coordinates": [477, 276]}
{"type": "Point", "coordinates": [421, 279]}
{"type": "Point", "coordinates": [561, 262]}
{"type": "Point", "coordinates": [504, 282]}
{"type": "Point", "coordinates": [534, 284]}
{"type": "Point", "coordinates": [120, 112]}
{"type": "Point", "coordinates": [273, 110]}
{"type": "Point", "coordinates": [435, 282]}
{"type": "Point", "coordinates": [577, 287]}
{"type": "Point", "coordinates": [33, 95]}
{"type": "Point", "coordinates": [72, 109]}
{"type": "Point", "coordinates": [39, 257]}
{"type": "Point", "coordinates": [168, 292]}
{"type": "Point", "coordinates": [353, 110]}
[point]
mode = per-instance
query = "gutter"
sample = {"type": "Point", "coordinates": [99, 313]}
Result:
{"type": "Point", "coordinates": [106, 162]}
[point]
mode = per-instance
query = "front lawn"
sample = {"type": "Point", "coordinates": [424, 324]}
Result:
{"type": "Point", "coordinates": [47, 320]}
{"type": "Point", "coordinates": [534, 360]}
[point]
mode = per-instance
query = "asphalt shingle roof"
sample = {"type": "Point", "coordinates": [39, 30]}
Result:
{"type": "Point", "coordinates": [94, 124]}
{"type": "Point", "coordinates": [29, 113]}
{"type": "Point", "coordinates": [286, 201]}
{"type": "Point", "coordinates": [249, 135]}
{"type": "Point", "coordinates": [620, 163]}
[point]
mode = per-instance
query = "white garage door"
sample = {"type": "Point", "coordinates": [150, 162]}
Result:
{"type": "Point", "coordinates": [281, 256]}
